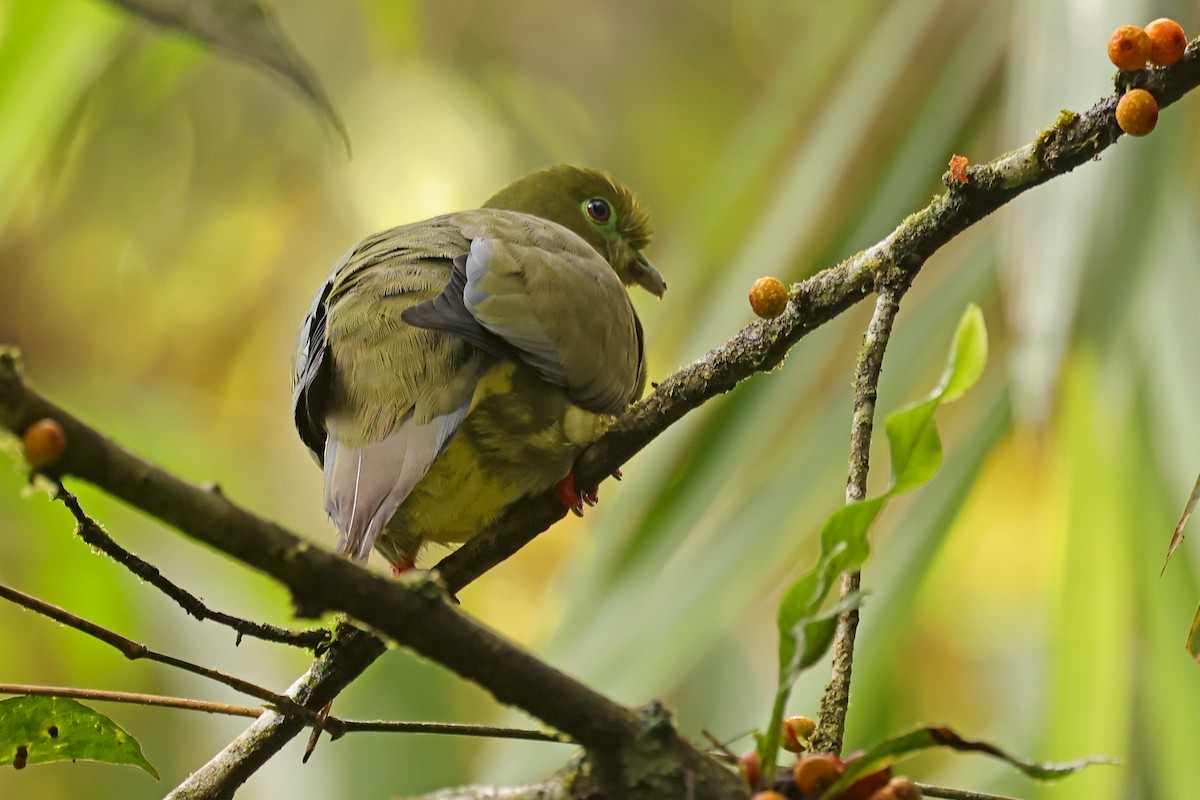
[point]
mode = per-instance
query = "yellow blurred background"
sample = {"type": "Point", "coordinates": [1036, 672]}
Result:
{"type": "Point", "coordinates": [168, 212]}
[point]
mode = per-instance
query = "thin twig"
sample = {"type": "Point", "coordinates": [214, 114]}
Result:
{"type": "Point", "coordinates": [136, 650]}
{"type": "Point", "coordinates": [94, 535]}
{"type": "Point", "coordinates": [719, 748]}
{"type": "Point", "coordinates": [338, 727]}
{"type": "Point", "coordinates": [959, 794]}
{"type": "Point", "coordinates": [100, 695]}
{"type": "Point", "coordinates": [831, 722]}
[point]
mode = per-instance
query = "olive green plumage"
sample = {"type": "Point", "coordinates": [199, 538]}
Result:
{"type": "Point", "coordinates": [449, 367]}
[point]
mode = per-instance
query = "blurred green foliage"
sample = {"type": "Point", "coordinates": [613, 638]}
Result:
{"type": "Point", "coordinates": [167, 214]}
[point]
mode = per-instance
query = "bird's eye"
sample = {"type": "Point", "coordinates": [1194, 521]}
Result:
{"type": "Point", "coordinates": [598, 209]}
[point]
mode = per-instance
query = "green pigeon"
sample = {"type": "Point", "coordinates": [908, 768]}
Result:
{"type": "Point", "coordinates": [449, 367]}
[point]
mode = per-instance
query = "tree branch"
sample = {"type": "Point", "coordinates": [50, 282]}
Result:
{"type": "Point", "coordinates": [414, 614]}
{"type": "Point", "coordinates": [1073, 140]}
{"type": "Point", "coordinates": [831, 722]}
{"type": "Point", "coordinates": [350, 652]}
{"type": "Point", "coordinates": [94, 535]}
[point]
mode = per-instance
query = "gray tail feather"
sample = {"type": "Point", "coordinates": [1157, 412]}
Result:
{"type": "Point", "coordinates": [365, 485]}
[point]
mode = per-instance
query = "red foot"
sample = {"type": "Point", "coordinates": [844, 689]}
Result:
{"type": "Point", "coordinates": [573, 498]}
{"type": "Point", "coordinates": [403, 565]}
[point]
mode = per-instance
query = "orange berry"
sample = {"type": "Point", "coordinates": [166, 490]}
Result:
{"type": "Point", "coordinates": [45, 442]}
{"type": "Point", "coordinates": [815, 774]}
{"type": "Point", "coordinates": [885, 793]}
{"type": "Point", "coordinates": [904, 789]}
{"type": "Point", "coordinates": [1129, 47]}
{"type": "Point", "coordinates": [1137, 112]}
{"type": "Point", "coordinates": [768, 796]}
{"type": "Point", "coordinates": [768, 297]}
{"type": "Point", "coordinates": [749, 767]}
{"type": "Point", "coordinates": [796, 731]}
{"type": "Point", "coordinates": [1167, 42]}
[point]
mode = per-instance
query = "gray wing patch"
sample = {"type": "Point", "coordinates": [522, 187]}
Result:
{"type": "Point", "coordinates": [510, 316]}
{"type": "Point", "coordinates": [548, 300]}
{"type": "Point", "coordinates": [454, 311]}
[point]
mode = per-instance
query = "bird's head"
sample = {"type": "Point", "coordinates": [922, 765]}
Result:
{"type": "Point", "coordinates": [603, 212]}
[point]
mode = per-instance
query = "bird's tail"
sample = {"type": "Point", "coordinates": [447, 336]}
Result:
{"type": "Point", "coordinates": [365, 485]}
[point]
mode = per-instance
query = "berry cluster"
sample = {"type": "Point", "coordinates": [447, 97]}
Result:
{"type": "Point", "coordinates": [1161, 43]}
{"type": "Point", "coordinates": [814, 774]}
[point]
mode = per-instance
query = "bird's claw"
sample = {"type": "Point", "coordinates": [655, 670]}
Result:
{"type": "Point", "coordinates": [572, 498]}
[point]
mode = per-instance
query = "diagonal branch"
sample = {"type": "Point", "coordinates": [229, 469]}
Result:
{"type": "Point", "coordinates": [1073, 140]}
{"type": "Point", "coordinates": [414, 614]}
{"type": "Point", "coordinates": [351, 651]}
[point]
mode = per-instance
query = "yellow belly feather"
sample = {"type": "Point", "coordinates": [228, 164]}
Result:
{"type": "Point", "coordinates": [520, 437]}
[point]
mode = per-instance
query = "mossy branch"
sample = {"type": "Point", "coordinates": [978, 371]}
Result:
{"type": "Point", "coordinates": [1073, 140]}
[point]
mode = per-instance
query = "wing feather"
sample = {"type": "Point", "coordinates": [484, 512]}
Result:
{"type": "Point", "coordinates": [535, 292]}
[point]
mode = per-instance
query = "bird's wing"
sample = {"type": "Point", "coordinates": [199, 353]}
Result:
{"type": "Point", "coordinates": [310, 377]}
{"type": "Point", "coordinates": [375, 399]}
{"type": "Point", "coordinates": [534, 291]}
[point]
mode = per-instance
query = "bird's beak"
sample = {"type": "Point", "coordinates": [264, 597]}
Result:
{"type": "Point", "coordinates": [646, 276]}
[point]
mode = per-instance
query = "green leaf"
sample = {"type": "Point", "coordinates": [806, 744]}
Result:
{"type": "Point", "coordinates": [805, 631]}
{"type": "Point", "coordinates": [843, 547]}
{"type": "Point", "coordinates": [913, 438]}
{"type": "Point", "coordinates": [968, 356]}
{"type": "Point", "coordinates": [247, 29]}
{"type": "Point", "coordinates": [889, 750]}
{"type": "Point", "coordinates": [915, 445]}
{"type": "Point", "coordinates": [39, 730]}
